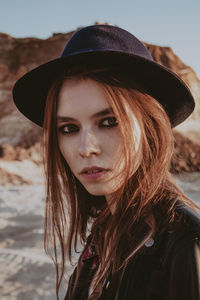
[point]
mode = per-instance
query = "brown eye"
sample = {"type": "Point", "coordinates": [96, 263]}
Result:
{"type": "Point", "coordinates": [68, 129]}
{"type": "Point", "coordinates": [109, 122]}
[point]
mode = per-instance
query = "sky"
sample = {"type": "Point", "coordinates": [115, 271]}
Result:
{"type": "Point", "coordinates": [174, 23]}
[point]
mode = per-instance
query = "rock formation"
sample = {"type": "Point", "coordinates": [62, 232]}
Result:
{"type": "Point", "coordinates": [165, 56]}
{"type": "Point", "coordinates": [186, 157]}
{"type": "Point", "coordinates": [19, 55]}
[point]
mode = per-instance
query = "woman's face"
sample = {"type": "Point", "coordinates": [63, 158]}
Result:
{"type": "Point", "coordinates": [89, 137]}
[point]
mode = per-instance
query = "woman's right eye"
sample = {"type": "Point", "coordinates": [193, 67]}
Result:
{"type": "Point", "coordinates": [68, 129]}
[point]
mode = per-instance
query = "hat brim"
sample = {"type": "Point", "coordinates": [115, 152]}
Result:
{"type": "Point", "coordinates": [30, 91]}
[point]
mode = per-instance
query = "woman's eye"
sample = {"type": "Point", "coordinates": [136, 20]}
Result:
{"type": "Point", "coordinates": [109, 122]}
{"type": "Point", "coordinates": [69, 128]}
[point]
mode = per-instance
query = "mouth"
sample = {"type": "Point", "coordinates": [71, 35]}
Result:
{"type": "Point", "coordinates": [93, 172]}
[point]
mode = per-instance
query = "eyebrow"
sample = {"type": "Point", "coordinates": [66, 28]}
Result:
{"type": "Point", "coordinates": [101, 113]}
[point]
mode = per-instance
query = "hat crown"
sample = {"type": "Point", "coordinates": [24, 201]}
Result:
{"type": "Point", "coordinates": [105, 38]}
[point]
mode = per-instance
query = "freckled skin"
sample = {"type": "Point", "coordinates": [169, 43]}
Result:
{"type": "Point", "coordinates": [90, 145]}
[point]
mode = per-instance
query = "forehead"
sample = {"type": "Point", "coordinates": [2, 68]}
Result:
{"type": "Point", "coordinates": [81, 96]}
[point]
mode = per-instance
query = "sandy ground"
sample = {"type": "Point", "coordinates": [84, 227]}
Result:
{"type": "Point", "coordinates": [27, 273]}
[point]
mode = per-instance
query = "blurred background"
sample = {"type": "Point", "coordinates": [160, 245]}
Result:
{"type": "Point", "coordinates": [35, 31]}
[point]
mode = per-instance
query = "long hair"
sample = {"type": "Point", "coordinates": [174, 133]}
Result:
{"type": "Point", "coordinates": [145, 201]}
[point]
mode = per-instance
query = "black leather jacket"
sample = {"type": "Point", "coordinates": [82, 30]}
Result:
{"type": "Point", "coordinates": [167, 270]}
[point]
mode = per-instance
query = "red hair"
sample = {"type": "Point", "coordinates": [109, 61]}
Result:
{"type": "Point", "coordinates": [145, 201]}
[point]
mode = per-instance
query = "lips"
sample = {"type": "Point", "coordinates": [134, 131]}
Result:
{"type": "Point", "coordinates": [92, 170]}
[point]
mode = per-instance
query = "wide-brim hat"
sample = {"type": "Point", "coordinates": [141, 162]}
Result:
{"type": "Point", "coordinates": [109, 45]}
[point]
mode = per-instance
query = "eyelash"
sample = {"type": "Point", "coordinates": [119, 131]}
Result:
{"type": "Point", "coordinates": [61, 129]}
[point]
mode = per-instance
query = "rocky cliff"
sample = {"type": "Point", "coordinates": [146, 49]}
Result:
{"type": "Point", "coordinates": [166, 57]}
{"type": "Point", "coordinates": [17, 56]}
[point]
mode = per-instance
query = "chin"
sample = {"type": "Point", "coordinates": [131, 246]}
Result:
{"type": "Point", "coordinates": [101, 191]}
{"type": "Point", "coordinates": [95, 191]}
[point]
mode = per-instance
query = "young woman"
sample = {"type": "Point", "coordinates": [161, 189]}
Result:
{"type": "Point", "coordinates": [107, 111]}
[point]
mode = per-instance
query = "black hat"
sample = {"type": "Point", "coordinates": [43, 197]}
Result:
{"type": "Point", "coordinates": [106, 44]}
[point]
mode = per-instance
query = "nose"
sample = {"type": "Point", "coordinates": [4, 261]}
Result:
{"type": "Point", "coordinates": [89, 144]}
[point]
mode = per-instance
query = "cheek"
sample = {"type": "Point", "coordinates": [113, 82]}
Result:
{"type": "Point", "coordinates": [66, 150]}
{"type": "Point", "coordinates": [113, 149]}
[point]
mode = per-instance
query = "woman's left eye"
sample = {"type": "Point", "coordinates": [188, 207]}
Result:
{"type": "Point", "coordinates": [109, 122]}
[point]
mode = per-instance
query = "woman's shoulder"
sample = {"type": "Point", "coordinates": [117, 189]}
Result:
{"type": "Point", "coordinates": [182, 238]}
{"type": "Point", "coordinates": [190, 214]}
{"type": "Point", "coordinates": [182, 256]}
{"type": "Point", "coordinates": [188, 221]}
{"type": "Point", "coordinates": [184, 232]}
{"type": "Point", "coordinates": [169, 268]}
